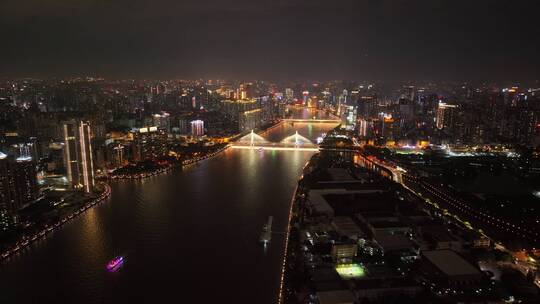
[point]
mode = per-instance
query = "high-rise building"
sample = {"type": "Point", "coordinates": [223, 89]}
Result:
{"type": "Point", "coordinates": [26, 188]}
{"type": "Point", "coordinates": [445, 115]}
{"type": "Point", "coordinates": [362, 128]}
{"type": "Point", "coordinates": [243, 94]}
{"type": "Point", "coordinates": [247, 113]}
{"type": "Point", "coordinates": [305, 96]}
{"type": "Point", "coordinates": [183, 124]}
{"type": "Point", "coordinates": [249, 120]}
{"type": "Point", "coordinates": [197, 128]}
{"type": "Point", "coordinates": [7, 191]}
{"type": "Point", "coordinates": [162, 120]}
{"type": "Point", "coordinates": [115, 155]}
{"type": "Point", "coordinates": [18, 186]}
{"type": "Point", "coordinates": [78, 155]}
{"type": "Point", "coordinates": [386, 127]}
{"type": "Point", "coordinates": [289, 94]}
{"type": "Point", "coordinates": [149, 143]}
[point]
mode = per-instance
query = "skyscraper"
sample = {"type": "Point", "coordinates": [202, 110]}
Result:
{"type": "Point", "coordinates": [149, 143]}
{"type": "Point", "coordinates": [289, 95]}
{"type": "Point", "coordinates": [197, 128]}
{"type": "Point", "coordinates": [445, 115]}
{"type": "Point", "coordinates": [26, 188]}
{"type": "Point", "coordinates": [18, 185]}
{"type": "Point", "coordinates": [362, 128]}
{"type": "Point", "coordinates": [7, 191]}
{"type": "Point", "coordinates": [162, 120]}
{"type": "Point", "coordinates": [78, 155]}
{"type": "Point", "coordinates": [305, 95]}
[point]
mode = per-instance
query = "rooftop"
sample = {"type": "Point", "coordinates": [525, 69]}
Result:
{"type": "Point", "coordinates": [335, 297]}
{"type": "Point", "coordinates": [450, 263]}
{"type": "Point", "coordinates": [346, 226]}
{"type": "Point", "coordinates": [391, 242]}
{"type": "Point", "coordinates": [352, 202]}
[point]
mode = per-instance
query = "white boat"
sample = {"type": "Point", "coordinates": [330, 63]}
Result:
{"type": "Point", "coordinates": [266, 234]}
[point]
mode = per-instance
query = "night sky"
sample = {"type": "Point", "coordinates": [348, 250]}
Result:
{"type": "Point", "coordinates": [272, 39]}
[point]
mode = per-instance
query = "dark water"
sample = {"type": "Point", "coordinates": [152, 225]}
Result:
{"type": "Point", "coordinates": [189, 236]}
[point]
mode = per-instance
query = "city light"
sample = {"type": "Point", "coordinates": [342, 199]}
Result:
{"type": "Point", "coordinates": [351, 158]}
{"type": "Point", "coordinates": [350, 271]}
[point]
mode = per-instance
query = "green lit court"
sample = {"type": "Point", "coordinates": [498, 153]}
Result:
{"type": "Point", "coordinates": [350, 271]}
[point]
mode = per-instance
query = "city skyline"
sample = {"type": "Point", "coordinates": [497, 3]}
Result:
{"type": "Point", "coordinates": [269, 151]}
{"type": "Point", "coordinates": [318, 184]}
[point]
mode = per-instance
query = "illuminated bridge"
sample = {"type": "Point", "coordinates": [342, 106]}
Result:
{"type": "Point", "coordinates": [334, 121]}
{"type": "Point", "coordinates": [293, 142]}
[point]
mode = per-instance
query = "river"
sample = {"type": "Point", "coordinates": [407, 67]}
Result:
{"type": "Point", "coordinates": [188, 235]}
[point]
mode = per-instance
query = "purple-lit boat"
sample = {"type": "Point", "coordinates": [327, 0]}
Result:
{"type": "Point", "coordinates": [115, 263]}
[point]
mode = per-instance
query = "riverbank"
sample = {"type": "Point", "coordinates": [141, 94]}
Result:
{"type": "Point", "coordinates": [144, 175]}
{"type": "Point", "coordinates": [286, 251]}
{"type": "Point", "coordinates": [26, 241]}
{"type": "Point", "coordinates": [145, 221]}
{"type": "Point", "coordinates": [206, 156]}
{"type": "Point", "coordinates": [169, 167]}
{"type": "Point", "coordinates": [210, 155]}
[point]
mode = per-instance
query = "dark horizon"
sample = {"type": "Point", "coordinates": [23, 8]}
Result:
{"type": "Point", "coordinates": [276, 40]}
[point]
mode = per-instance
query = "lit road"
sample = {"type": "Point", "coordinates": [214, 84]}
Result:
{"type": "Point", "coordinates": [482, 219]}
{"type": "Point", "coordinates": [497, 229]}
{"type": "Point", "coordinates": [187, 235]}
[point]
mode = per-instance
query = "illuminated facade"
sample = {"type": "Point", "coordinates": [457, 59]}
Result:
{"type": "Point", "coordinates": [289, 95]}
{"type": "Point", "coordinates": [362, 128]}
{"type": "Point", "coordinates": [25, 181]}
{"type": "Point", "coordinates": [197, 128]}
{"type": "Point", "coordinates": [249, 120]}
{"type": "Point", "coordinates": [78, 157]}
{"type": "Point", "coordinates": [305, 96]}
{"type": "Point", "coordinates": [248, 113]}
{"type": "Point", "coordinates": [385, 127]}
{"type": "Point", "coordinates": [162, 121]}
{"type": "Point", "coordinates": [7, 191]}
{"type": "Point", "coordinates": [445, 115]}
{"type": "Point", "coordinates": [149, 143]}
{"type": "Point", "coordinates": [18, 185]}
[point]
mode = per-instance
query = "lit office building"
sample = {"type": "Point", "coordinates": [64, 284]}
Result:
{"type": "Point", "coordinates": [162, 121]}
{"type": "Point", "coordinates": [25, 181]}
{"type": "Point", "coordinates": [18, 186]}
{"type": "Point", "coordinates": [445, 115]}
{"type": "Point", "coordinates": [385, 127]}
{"type": "Point", "coordinates": [289, 94]}
{"type": "Point", "coordinates": [305, 96]}
{"type": "Point", "coordinates": [249, 120]}
{"type": "Point", "coordinates": [248, 113]}
{"type": "Point", "coordinates": [149, 143]}
{"type": "Point", "coordinates": [362, 128]}
{"type": "Point", "coordinates": [78, 155]}
{"type": "Point", "coordinates": [349, 116]}
{"type": "Point", "coordinates": [197, 128]}
{"type": "Point", "coordinates": [7, 191]}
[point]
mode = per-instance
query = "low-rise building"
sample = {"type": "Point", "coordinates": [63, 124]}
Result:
{"type": "Point", "coordinates": [449, 268]}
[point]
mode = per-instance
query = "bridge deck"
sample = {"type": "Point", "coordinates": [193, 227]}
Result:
{"type": "Point", "coordinates": [279, 148]}
{"type": "Point", "coordinates": [312, 120]}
